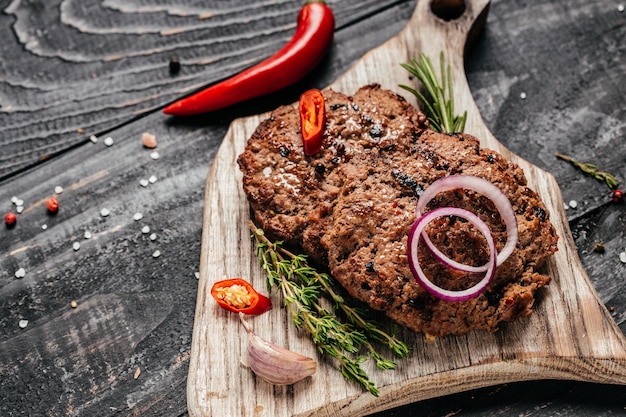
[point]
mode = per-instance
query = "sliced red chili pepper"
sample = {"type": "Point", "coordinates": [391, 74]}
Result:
{"type": "Point", "coordinates": [312, 120]}
{"type": "Point", "coordinates": [313, 36]}
{"type": "Point", "coordinates": [238, 295]}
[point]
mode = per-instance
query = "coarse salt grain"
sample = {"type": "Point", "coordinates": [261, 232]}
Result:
{"type": "Point", "coordinates": [154, 155]}
{"type": "Point", "coordinates": [19, 209]}
{"type": "Point", "coordinates": [622, 257]}
{"type": "Point", "coordinates": [156, 253]}
{"type": "Point", "coordinates": [143, 182]}
{"type": "Point", "coordinates": [58, 189]}
{"type": "Point", "coordinates": [145, 230]}
{"type": "Point", "coordinates": [23, 324]}
{"type": "Point", "coordinates": [20, 273]}
{"type": "Point", "coordinates": [14, 200]}
{"type": "Point", "coordinates": [87, 234]}
{"type": "Point", "coordinates": [138, 216]}
{"type": "Point", "coordinates": [153, 236]}
{"type": "Point", "coordinates": [18, 202]}
{"type": "Point", "coordinates": [93, 139]}
{"type": "Point", "coordinates": [522, 96]}
{"type": "Point", "coordinates": [197, 275]}
{"type": "Point", "coordinates": [76, 246]}
{"type": "Point", "coordinates": [108, 141]}
{"type": "Point", "coordinates": [149, 140]}
{"type": "Point", "coordinates": [573, 203]}
{"type": "Point", "coordinates": [152, 179]}
{"type": "Point", "coordinates": [44, 226]}
{"type": "Point", "coordinates": [620, 8]}
{"type": "Point", "coordinates": [104, 212]}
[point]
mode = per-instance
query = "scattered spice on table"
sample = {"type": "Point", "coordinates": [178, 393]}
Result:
{"type": "Point", "coordinates": [73, 304]}
{"type": "Point", "coordinates": [10, 219]}
{"type": "Point", "coordinates": [93, 139]}
{"type": "Point", "coordinates": [145, 230]}
{"type": "Point", "coordinates": [52, 205]}
{"type": "Point", "coordinates": [144, 182]}
{"type": "Point", "coordinates": [156, 253]}
{"type": "Point", "coordinates": [58, 189]}
{"type": "Point", "coordinates": [148, 140]}
{"type": "Point", "coordinates": [87, 234]}
{"type": "Point", "coordinates": [20, 273]}
{"type": "Point", "coordinates": [108, 141]}
{"type": "Point", "coordinates": [137, 373]}
{"type": "Point", "coordinates": [154, 155]}
{"type": "Point", "coordinates": [137, 216]}
{"type": "Point", "coordinates": [152, 179]}
{"type": "Point", "coordinates": [105, 212]}
{"type": "Point", "coordinates": [23, 324]}
{"type": "Point", "coordinates": [76, 246]}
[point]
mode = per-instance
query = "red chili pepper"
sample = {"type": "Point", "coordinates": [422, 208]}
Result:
{"type": "Point", "coordinates": [312, 120]}
{"type": "Point", "coordinates": [238, 295]}
{"type": "Point", "coordinates": [313, 35]}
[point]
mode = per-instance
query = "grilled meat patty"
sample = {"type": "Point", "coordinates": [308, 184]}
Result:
{"type": "Point", "coordinates": [352, 204]}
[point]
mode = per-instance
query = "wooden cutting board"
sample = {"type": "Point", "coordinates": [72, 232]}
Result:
{"type": "Point", "coordinates": [570, 335]}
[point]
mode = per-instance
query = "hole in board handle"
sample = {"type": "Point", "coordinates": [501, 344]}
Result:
{"type": "Point", "coordinates": [447, 9]}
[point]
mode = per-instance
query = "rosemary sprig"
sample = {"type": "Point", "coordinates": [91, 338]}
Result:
{"type": "Point", "coordinates": [440, 107]}
{"type": "Point", "coordinates": [302, 287]}
{"type": "Point", "coordinates": [592, 170]}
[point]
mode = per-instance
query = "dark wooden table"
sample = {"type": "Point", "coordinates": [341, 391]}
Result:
{"type": "Point", "coordinates": [548, 76]}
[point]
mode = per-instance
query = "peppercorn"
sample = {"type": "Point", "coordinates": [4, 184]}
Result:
{"type": "Point", "coordinates": [52, 205]}
{"type": "Point", "coordinates": [10, 219]}
{"type": "Point", "coordinates": [617, 196]}
{"type": "Point", "coordinates": [174, 66]}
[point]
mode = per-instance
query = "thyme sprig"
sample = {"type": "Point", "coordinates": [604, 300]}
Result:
{"type": "Point", "coordinates": [440, 107]}
{"type": "Point", "coordinates": [341, 333]}
{"type": "Point", "coordinates": [592, 170]}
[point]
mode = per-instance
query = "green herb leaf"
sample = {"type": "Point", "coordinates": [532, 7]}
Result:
{"type": "Point", "coordinates": [592, 170]}
{"type": "Point", "coordinates": [341, 333]}
{"type": "Point", "coordinates": [439, 105]}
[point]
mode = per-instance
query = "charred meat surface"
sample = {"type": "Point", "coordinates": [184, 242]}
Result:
{"type": "Point", "coordinates": [352, 204]}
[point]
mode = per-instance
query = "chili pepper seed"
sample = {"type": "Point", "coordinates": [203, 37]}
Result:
{"type": "Point", "coordinates": [73, 304]}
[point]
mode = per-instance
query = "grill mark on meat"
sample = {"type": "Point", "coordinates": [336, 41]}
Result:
{"type": "Point", "coordinates": [352, 205]}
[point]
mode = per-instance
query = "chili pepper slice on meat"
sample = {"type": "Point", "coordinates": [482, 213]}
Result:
{"type": "Point", "coordinates": [312, 120]}
{"type": "Point", "coordinates": [238, 295]}
{"type": "Point", "coordinates": [312, 38]}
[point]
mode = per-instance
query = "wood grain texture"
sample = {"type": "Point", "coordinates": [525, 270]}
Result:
{"type": "Point", "coordinates": [570, 335]}
{"type": "Point", "coordinates": [102, 64]}
{"type": "Point", "coordinates": [575, 105]}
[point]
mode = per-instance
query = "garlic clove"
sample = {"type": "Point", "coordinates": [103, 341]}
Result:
{"type": "Point", "coordinates": [274, 364]}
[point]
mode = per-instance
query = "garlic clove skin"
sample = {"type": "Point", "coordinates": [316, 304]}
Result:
{"type": "Point", "coordinates": [274, 364]}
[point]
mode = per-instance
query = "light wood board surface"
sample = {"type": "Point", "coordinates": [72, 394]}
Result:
{"type": "Point", "coordinates": [570, 335]}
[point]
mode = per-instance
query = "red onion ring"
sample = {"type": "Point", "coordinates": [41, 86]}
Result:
{"type": "Point", "coordinates": [413, 242]}
{"type": "Point", "coordinates": [489, 190]}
